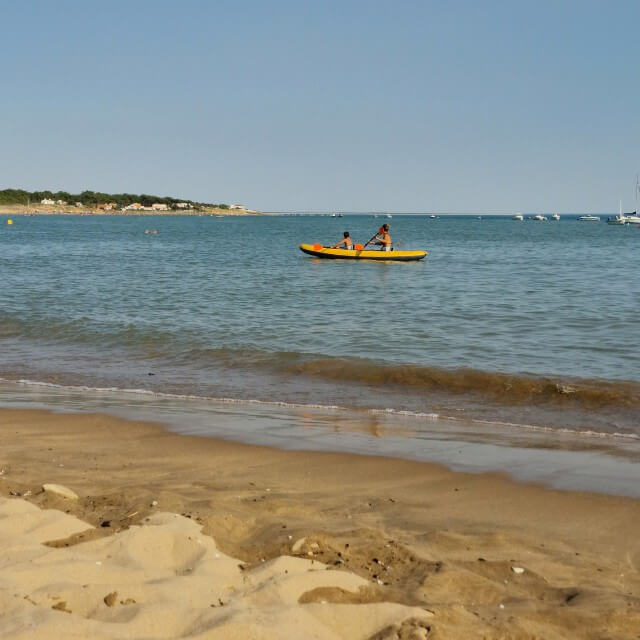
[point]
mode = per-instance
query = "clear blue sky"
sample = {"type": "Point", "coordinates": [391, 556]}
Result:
{"type": "Point", "coordinates": [451, 106]}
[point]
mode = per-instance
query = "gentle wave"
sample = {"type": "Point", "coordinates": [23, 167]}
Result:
{"type": "Point", "coordinates": [505, 388]}
{"type": "Point", "coordinates": [324, 407]}
{"type": "Point", "coordinates": [502, 387]}
{"type": "Point", "coordinates": [184, 347]}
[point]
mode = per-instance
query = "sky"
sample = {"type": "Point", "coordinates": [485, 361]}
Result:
{"type": "Point", "coordinates": [345, 105]}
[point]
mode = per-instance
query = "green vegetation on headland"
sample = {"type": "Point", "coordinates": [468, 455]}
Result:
{"type": "Point", "coordinates": [88, 200]}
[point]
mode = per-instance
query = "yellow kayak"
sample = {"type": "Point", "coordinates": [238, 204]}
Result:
{"type": "Point", "coordinates": [361, 254]}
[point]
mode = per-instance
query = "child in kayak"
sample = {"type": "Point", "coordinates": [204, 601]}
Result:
{"type": "Point", "coordinates": [346, 241]}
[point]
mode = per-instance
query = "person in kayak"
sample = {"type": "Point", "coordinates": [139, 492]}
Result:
{"type": "Point", "coordinates": [383, 239]}
{"type": "Point", "coordinates": [346, 241]}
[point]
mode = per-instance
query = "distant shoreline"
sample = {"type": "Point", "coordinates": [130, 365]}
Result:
{"type": "Point", "coordinates": [21, 209]}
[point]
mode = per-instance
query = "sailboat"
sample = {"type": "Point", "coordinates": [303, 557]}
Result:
{"type": "Point", "coordinates": [619, 219]}
{"type": "Point", "coordinates": [634, 218]}
{"type": "Point", "coordinates": [627, 218]}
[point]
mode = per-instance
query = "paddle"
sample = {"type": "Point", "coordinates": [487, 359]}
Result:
{"type": "Point", "coordinates": [378, 232]}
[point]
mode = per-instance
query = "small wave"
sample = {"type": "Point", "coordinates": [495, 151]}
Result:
{"type": "Point", "coordinates": [186, 348]}
{"type": "Point", "coordinates": [501, 387]}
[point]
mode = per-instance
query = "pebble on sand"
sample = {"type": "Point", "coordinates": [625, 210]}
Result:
{"type": "Point", "coordinates": [111, 598]}
{"type": "Point", "coordinates": [60, 490]}
{"type": "Point", "coordinates": [297, 545]}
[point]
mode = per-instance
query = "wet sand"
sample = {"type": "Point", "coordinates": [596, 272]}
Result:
{"type": "Point", "coordinates": [457, 555]}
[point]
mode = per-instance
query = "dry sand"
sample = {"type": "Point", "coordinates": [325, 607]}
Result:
{"type": "Point", "coordinates": [329, 545]}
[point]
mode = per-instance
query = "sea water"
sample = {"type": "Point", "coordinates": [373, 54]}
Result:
{"type": "Point", "coordinates": [506, 324]}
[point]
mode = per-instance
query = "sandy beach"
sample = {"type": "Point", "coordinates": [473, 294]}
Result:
{"type": "Point", "coordinates": [177, 536]}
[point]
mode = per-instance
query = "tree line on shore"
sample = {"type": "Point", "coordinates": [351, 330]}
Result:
{"type": "Point", "coordinates": [91, 199]}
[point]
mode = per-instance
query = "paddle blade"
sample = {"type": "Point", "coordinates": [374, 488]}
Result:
{"type": "Point", "coordinates": [316, 246]}
{"type": "Point", "coordinates": [358, 247]}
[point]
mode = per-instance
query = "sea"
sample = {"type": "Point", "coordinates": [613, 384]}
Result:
{"type": "Point", "coordinates": [512, 344]}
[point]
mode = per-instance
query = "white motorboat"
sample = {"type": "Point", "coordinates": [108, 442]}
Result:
{"type": "Point", "coordinates": [540, 218]}
{"type": "Point", "coordinates": [518, 216]}
{"type": "Point", "coordinates": [555, 216]}
{"type": "Point", "coordinates": [589, 218]}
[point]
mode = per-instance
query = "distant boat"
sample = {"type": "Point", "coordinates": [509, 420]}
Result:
{"type": "Point", "coordinates": [632, 218]}
{"type": "Point", "coordinates": [620, 218]}
{"type": "Point", "coordinates": [555, 216]}
{"type": "Point", "coordinates": [389, 215]}
{"type": "Point", "coordinates": [589, 218]}
{"type": "Point", "coordinates": [540, 218]}
{"type": "Point", "coordinates": [433, 216]}
{"type": "Point", "coordinates": [627, 218]}
{"type": "Point", "coordinates": [518, 216]}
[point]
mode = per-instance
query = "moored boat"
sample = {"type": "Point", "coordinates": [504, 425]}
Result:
{"type": "Point", "coordinates": [589, 218]}
{"type": "Point", "coordinates": [318, 251]}
{"type": "Point", "coordinates": [555, 216]}
{"type": "Point", "coordinates": [632, 218]}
